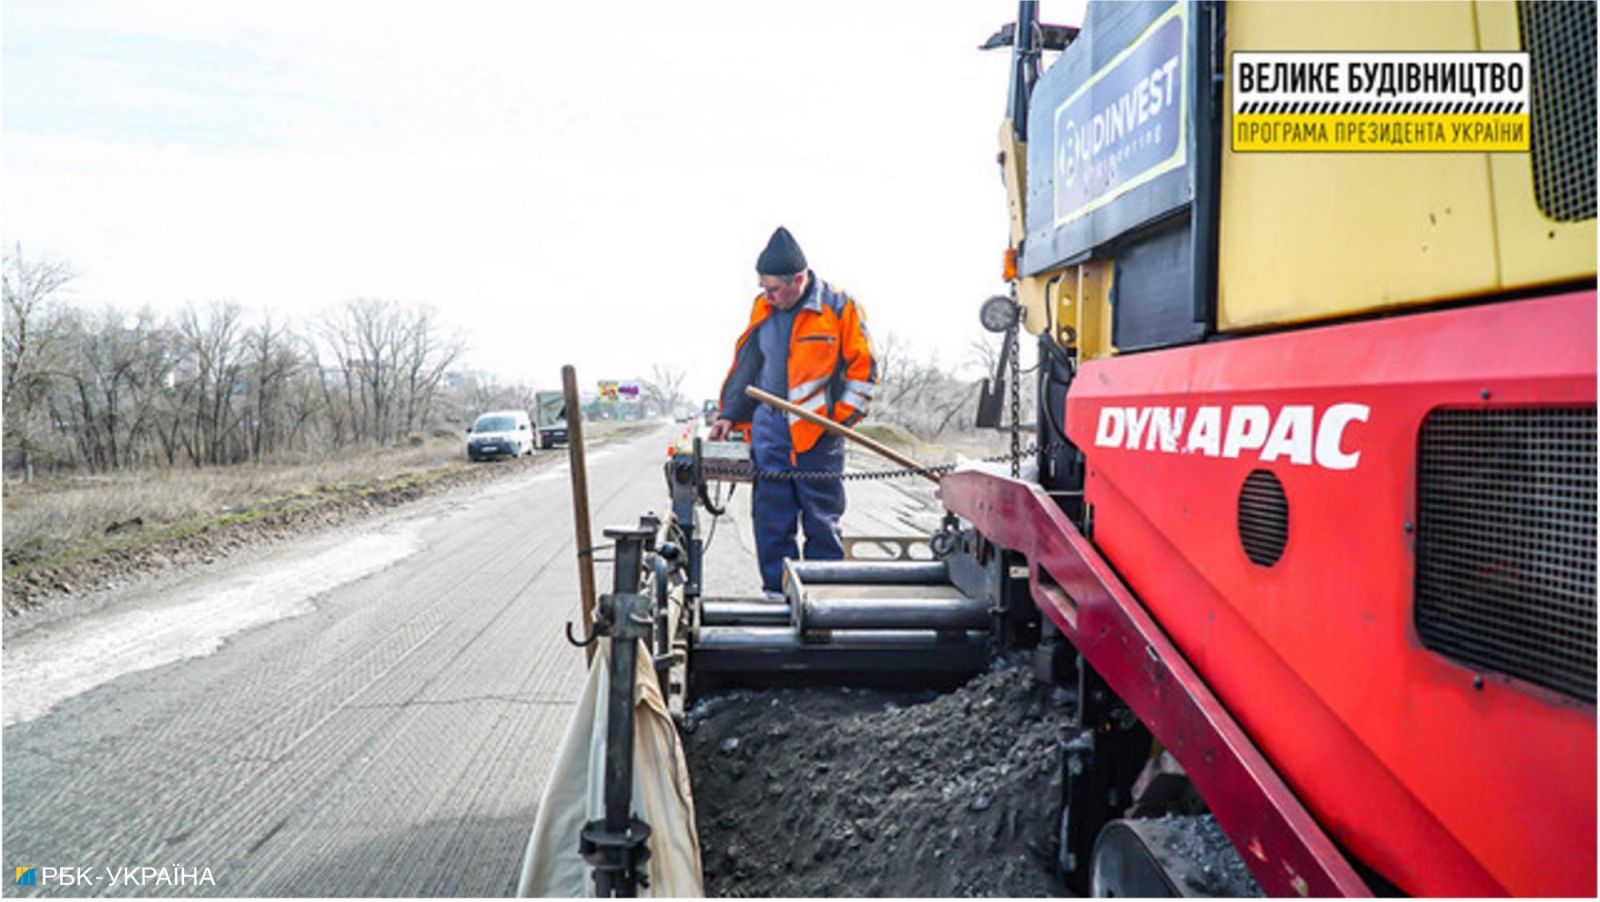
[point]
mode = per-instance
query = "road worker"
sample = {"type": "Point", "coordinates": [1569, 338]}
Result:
{"type": "Point", "coordinates": [807, 341]}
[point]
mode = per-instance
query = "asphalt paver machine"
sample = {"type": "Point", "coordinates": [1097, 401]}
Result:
{"type": "Point", "coordinates": [1308, 524]}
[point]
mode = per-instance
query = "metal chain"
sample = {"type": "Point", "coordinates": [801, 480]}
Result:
{"type": "Point", "coordinates": [937, 470]}
{"type": "Point", "coordinates": [1015, 454]}
{"type": "Point", "coordinates": [1016, 388]}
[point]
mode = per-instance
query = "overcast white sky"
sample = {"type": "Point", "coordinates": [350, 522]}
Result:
{"type": "Point", "coordinates": [569, 183]}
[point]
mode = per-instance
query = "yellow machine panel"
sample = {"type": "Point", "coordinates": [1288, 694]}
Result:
{"type": "Point", "coordinates": [1308, 236]}
{"type": "Point", "coordinates": [1535, 249]}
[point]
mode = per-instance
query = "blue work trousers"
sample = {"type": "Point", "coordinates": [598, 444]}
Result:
{"type": "Point", "coordinates": [780, 504]}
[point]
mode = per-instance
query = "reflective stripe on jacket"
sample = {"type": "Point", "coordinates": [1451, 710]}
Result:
{"type": "Point", "coordinates": [831, 368]}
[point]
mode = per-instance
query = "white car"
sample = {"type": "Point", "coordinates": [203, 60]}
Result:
{"type": "Point", "coordinates": [500, 433]}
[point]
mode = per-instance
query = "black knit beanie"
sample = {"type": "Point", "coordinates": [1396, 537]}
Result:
{"type": "Point", "coordinates": [782, 256]}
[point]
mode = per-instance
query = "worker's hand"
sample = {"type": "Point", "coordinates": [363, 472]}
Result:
{"type": "Point", "coordinates": [719, 430]}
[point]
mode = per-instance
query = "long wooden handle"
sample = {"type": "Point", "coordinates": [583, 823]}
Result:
{"type": "Point", "coordinates": [854, 436]}
{"type": "Point", "coordinates": [580, 500]}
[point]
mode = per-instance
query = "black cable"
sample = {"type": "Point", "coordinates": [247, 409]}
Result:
{"type": "Point", "coordinates": [711, 531]}
{"type": "Point", "coordinates": [1058, 356]}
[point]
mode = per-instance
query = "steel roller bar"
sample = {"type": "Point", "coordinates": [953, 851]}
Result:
{"type": "Point", "coordinates": [743, 613]}
{"type": "Point", "coordinates": [769, 650]}
{"type": "Point", "coordinates": [893, 614]}
{"type": "Point", "coordinates": [871, 572]}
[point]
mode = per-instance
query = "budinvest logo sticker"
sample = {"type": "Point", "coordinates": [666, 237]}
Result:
{"type": "Point", "coordinates": [1370, 102]}
{"type": "Point", "coordinates": [1125, 125]}
{"type": "Point", "coordinates": [1298, 433]}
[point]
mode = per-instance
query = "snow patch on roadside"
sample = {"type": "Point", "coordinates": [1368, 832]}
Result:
{"type": "Point", "coordinates": [55, 663]}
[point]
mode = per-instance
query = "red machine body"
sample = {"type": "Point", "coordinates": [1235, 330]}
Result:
{"type": "Point", "coordinates": [1445, 779]}
{"type": "Point", "coordinates": [1073, 585]}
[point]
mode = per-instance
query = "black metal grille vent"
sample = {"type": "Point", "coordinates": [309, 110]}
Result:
{"type": "Point", "coordinates": [1560, 41]}
{"type": "Point", "coordinates": [1506, 543]}
{"type": "Point", "coordinates": [1263, 518]}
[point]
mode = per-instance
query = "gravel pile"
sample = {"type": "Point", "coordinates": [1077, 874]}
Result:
{"type": "Point", "coordinates": [1221, 872]}
{"type": "Point", "coordinates": [850, 792]}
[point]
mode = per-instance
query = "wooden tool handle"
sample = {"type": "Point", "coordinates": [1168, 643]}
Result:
{"type": "Point", "coordinates": [854, 436]}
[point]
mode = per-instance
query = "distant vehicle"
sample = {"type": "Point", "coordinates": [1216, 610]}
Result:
{"type": "Point", "coordinates": [551, 409]}
{"type": "Point", "coordinates": [708, 411]}
{"type": "Point", "coordinates": [500, 433]}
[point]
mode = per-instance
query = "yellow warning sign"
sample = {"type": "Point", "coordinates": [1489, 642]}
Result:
{"type": "Point", "coordinates": [1381, 132]}
{"type": "Point", "coordinates": [1379, 102]}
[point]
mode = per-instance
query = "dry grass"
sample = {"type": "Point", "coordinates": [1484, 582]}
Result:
{"type": "Point", "coordinates": [54, 520]}
{"type": "Point", "coordinates": [43, 517]}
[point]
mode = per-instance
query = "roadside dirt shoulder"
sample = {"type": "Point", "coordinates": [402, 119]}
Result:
{"type": "Point", "coordinates": [147, 551]}
{"type": "Point", "coordinates": [120, 567]}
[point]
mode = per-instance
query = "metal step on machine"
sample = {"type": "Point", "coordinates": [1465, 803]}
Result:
{"type": "Point", "coordinates": [852, 618]}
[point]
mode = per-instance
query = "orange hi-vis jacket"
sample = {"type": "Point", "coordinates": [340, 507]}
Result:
{"type": "Point", "coordinates": [831, 368]}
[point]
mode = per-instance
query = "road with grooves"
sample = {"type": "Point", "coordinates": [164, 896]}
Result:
{"type": "Point", "coordinates": [389, 737]}
{"type": "Point", "coordinates": [369, 713]}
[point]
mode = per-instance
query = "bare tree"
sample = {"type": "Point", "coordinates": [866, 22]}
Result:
{"type": "Point", "coordinates": [32, 347]}
{"type": "Point", "coordinates": [213, 359]}
{"type": "Point", "coordinates": [425, 355]}
{"type": "Point", "coordinates": [485, 394]}
{"type": "Point", "coordinates": [271, 361]}
{"type": "Point", "coordinates": [366, 337]}
{"type": "Point", "coordinates": [920, 393]}
{"type": "Point", "coordinates": [470, 393]}
{"type": "Point", "coordinates": [909, 377]}
{"type": "Point", "coordinates": [105, 389]}
{"type": "Point", "coordinates": [335, 391]}
{"type": "Point", "coordinates": [304, 403]}
{"type": "Point", "coordinates": [150, 383]}
{"type": "Point", "coordinates": [888, 353]}
{"type": "Point", "coordinates": [106, 357]}
{"type": "Point", "coordinates": [664, 388]}
{"type": "Point", "coordinates": [984, 354]}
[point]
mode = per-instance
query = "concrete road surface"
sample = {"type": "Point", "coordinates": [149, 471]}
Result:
{"type": "Point", "coordinates": [370, 712]}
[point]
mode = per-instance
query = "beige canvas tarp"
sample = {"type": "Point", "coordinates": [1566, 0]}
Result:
{"type": "Point", "coordinates": [575, 794]}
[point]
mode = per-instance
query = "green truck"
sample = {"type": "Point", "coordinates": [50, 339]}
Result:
{"type": "Point", "coordinates": [551, 412]}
